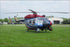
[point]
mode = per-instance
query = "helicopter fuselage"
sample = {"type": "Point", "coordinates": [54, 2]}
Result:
{"type": "Point", "coordinates": [38, 23]}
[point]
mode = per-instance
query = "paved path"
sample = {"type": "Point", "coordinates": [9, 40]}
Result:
{"type": "Point", "coordinates": [62, 25]}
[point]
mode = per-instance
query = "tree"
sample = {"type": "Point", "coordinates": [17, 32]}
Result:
{"type": "Point", "coordinates": [66, 21]}
{"type": "Point", "coordinates": [6, 20]}
{"type": "Point", "coordinates": [1, 20]}
{"type": "Point", "coordinates": [52, 16]}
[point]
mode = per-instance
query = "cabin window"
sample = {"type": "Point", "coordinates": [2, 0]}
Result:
{"type": "Point", "coordinates": [32, 21]}
{"type": "Point", "coordinates": [29, 21]}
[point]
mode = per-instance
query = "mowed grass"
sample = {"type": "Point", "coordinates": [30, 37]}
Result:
{"type": "Point", "coordinates": [16, 36]}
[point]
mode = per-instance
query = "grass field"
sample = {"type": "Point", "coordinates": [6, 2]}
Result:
{"type": "Point", "coordinates": [16, 36]}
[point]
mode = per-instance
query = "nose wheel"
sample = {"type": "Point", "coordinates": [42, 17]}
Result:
{"type": "Point", "coordinates": [37, 30]}
{"type": "Point", "coordinates": [50, 28]}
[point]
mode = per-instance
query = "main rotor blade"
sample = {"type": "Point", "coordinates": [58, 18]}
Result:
{"type": "Point", "coordinates": [56, 12]}
{"type": "Point", "coordinates": [60, 12]}
{"type": "Point", "coordinates": [38, 12]}
{"type": "Point", "coordinates": [16, 12]}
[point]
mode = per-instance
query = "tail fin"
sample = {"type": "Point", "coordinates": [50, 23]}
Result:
{"type": "Point", "coordinates": [10, 20]}
{"type": "Point", "coordinates": [15, 18]}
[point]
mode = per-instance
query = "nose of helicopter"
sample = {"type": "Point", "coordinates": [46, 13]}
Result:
{"type": "Point", "coordinates": [50, 23]}
{"type": "Point", "coordinates": [47, 24]}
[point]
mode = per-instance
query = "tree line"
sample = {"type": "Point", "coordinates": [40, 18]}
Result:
{"type": "Point", "coordinates": [4, 20]}
{"type": "Point", "coordinates": [65, 20]}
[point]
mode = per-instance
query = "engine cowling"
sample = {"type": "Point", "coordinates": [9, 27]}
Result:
{"type": "Point", "coordinates": [32, 16]}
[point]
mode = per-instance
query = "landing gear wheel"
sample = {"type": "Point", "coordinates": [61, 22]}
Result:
{"type": "Point", "coordinates": [37, 30]}
{"type": "Point", "coordinates": [50, 28]}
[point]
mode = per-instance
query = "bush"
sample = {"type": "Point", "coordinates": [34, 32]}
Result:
{"type": "Point", "coordinates": [66, 21]}
{"type": "Point", "coordinates": [1, 20]}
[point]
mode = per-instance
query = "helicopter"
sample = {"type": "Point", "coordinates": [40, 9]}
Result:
{"type": "Point", "coordinates": [37, 22]}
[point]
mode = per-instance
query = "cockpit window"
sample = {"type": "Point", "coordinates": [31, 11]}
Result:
{"type": "Point", "coordinates": [32, 21]}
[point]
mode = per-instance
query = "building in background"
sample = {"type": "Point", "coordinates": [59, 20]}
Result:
{"type": "Point", "coordinates": [56, 20]}
{"type": "Point", "coordinates": [5, 23]}
{"type": "Point", "coordinates": [1, 23]}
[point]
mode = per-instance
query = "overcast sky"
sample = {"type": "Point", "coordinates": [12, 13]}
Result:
{"type": "Point", "coordinates": [39, 6]}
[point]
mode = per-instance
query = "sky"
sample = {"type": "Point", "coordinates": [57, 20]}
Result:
{"type": "Point", "coordinates": [38, 6]}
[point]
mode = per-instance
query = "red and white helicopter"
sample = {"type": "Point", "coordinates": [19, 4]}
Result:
{"type": "Point", "coordinates": [37, 22]}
